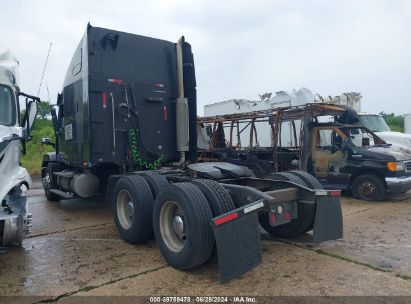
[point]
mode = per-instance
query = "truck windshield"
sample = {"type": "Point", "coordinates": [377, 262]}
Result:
{"type": "Point", "coordinates": [361, 137]}
{"type": "Point", "coordinates": [375, 123]}
{"type": "Point", "coordinates": [6, 106]}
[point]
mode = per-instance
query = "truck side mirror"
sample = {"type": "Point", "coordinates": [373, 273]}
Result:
{"type": "Point", "coordinates": [46, 141]}
{"type": "Point", "coordinates": [59, 99]}
{"type": "Point", "coordinates": [31, 115]}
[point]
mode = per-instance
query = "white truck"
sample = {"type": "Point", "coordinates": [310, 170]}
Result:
{"type": "Point", "coordinates": [15, 220]}
{"type": "Point", "coordinates": [407, 123]}
{"type": "Point", "coordinates": [371, 121]}
{"type": "Point", "coordinates": [377, 124]}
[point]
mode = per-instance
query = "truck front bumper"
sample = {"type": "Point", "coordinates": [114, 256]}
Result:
{"type": "Point", "coordinates": [398, 184]}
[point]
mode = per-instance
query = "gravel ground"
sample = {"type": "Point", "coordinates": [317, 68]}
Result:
{"type": "Point", "coordinates": [74, 250]}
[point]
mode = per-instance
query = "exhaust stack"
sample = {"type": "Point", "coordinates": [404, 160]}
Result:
{"type": "Point", "coordinates": [182, 116]}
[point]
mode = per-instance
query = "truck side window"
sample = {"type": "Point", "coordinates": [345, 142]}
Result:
{"type": "Point", "coordinates": [324, 139]}
{"type": "Point", "coordinates": [6, 106]}
{"type": "Point", "coordinates": [78, 62]}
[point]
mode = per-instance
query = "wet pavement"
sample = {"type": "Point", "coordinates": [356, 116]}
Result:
{"type": "Point", "coordinates": [74, 249]}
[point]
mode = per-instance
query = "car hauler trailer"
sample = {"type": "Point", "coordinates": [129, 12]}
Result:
{"type": "Point", "coordinates": [281, 99]}
{"type": "Point", "coordinates": [340, 153]}
{"type": "Point", "coordinates": [15, 220]}
{"type": "Point", "coordinates": [126, 126]}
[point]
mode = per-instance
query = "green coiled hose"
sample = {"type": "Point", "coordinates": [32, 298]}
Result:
{"type": "Point", "coordinates": [135, 154]}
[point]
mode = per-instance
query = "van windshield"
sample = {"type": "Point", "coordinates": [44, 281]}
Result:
{"type": "Point", "coordinates": [6, 106]}
{"type": "Point", "coordinates": [375, 123]}
{"type": "Point", "coordinates": [361, 137]}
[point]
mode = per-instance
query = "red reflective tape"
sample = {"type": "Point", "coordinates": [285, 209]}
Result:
{"type": "Point", "coordinates": [104, 99]}
{"type": "Point", "coordinates": [226, 218]}
{"type": "Point", "coordinates": [117, 81]}
{"type": "Point", "coordinates": [335, 193]}
{"type": "Point", "coordinates": [159, 85]}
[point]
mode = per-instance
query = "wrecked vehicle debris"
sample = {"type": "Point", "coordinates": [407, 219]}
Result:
{"type": "Point", "coordinates": [328, 141]}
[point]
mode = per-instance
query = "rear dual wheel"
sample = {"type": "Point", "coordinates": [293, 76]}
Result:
{"type": "Point", "coordinates": [181, 222]}
{"type": "Point", "coordinates": [182, 215]}
{"type": "Point", "coordinates": [305, 211]}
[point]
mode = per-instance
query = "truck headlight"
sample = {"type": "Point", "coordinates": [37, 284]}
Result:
{"type": "Point", "coordinates": [396, 166]}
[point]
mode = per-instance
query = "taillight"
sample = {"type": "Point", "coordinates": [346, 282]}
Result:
{"type": "Point", "coordinates": [287, 215]}
{"type": "Point", "coordinates": [273, 219]}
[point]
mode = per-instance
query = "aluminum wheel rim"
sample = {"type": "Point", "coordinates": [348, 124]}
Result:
{"type": "Point", "coordinates": [125, 209]}
{"type": "Point", "coordinates": [47, 182]}
{"type": "Point", "coordinates": [173, 227]}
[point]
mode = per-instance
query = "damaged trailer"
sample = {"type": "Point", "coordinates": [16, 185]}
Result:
{"type": "Point", "coordinates": [328, 141]}
{"type": "Point", "coordinates": [126, 127]}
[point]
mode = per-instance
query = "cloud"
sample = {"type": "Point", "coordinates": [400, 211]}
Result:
{"type": "Point", "coordinates": [241, 48]}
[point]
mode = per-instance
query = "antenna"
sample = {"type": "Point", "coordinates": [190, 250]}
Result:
{"type": "Point", "coordinates": [44, 69]}
{"type": "Point", "coordinates": [48, 93]}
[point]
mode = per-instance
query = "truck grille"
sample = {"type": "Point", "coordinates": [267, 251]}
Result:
{"type": "Point", "coordinates": [408, 166]}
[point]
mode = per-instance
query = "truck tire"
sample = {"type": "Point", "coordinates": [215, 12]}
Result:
{"type": "Point", "coordinates": [312, 183]}
{"type": "Point", "coordinates": [218, 198]}
{"type": "Point", "coordinates": [298, 226]}
{"type": "Point", "coordinates": [181, 222]}
{"type": "Point", "coordinates": [132, 207]}
{"type": "Point", "coordinates": [309, 180]}
{"type": "Point", "coordinates": [47, 184]}
{"type": "Point", "coordinates": [156, 182]}
{"type": "Point", "coordinates": [368, 187]}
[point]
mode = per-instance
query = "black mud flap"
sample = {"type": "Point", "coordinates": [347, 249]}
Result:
{"type": "Point", "coordinates": [328, 223]}
{"type": "Point", "coordinates": [238, 245]}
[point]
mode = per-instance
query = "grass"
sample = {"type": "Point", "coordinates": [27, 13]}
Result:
{"type": "Point", "coordinates": [35, 150]}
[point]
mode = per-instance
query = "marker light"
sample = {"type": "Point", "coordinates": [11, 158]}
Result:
{"type": "Point", "coordinates": [395, 166]}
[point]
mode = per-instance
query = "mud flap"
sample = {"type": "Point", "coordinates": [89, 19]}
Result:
{"type": "Point", "coordinates": [238, 245]}
{"type": "Point", "coordinates": [328, 223]}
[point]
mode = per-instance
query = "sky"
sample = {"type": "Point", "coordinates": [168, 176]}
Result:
{"type": "Point", "coordinates": [241, 48]}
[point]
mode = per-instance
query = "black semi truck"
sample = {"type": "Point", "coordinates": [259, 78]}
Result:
{"type": "Point", "coordinates": [125, 126]}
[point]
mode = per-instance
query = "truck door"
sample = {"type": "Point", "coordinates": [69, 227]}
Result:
{"type": "Point", "coordinates": [328, 156]}
{"type": "Point", "coordinates": [321, 151]}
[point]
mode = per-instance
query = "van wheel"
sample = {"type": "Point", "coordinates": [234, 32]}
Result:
{"type": "Point", "coordinates": [305, 213]}
{"type": "Point", "coordinates": [368, 187]}
{"type": "Point", "coordinates": [132, 207]}
{"type": "Point", "coordinates": [181, 222]}
{"type": "Point", "coordinates": [47, 182]}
